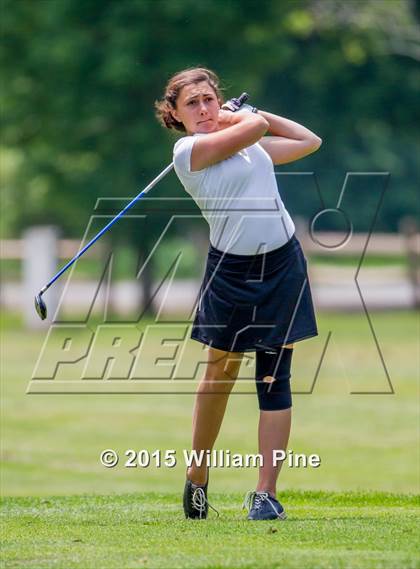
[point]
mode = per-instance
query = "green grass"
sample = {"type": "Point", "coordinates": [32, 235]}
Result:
{"type": "Point", "coordinates": [323, 530]}
{"type": "Point", "coordinates": [51, 443]}
{"type": "Point", "coordinates": [131, 517]}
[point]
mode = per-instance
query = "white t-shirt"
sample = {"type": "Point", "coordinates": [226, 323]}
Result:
{"type": "Point", "coordinates": [238, 197]}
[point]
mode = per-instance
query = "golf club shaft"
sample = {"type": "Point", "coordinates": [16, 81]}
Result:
{"type": "Point", "coordinates": [102, 231]}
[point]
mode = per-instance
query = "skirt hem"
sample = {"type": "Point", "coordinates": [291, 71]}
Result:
{"type": "Point", "coordinates": [292, 340]}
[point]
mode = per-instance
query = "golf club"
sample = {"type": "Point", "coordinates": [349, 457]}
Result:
{"type": "Point", "coordinates": [40, 305]}
{"type": "Point", "coordinates": [235, 103]}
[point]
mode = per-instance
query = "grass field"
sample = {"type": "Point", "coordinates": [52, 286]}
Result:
{"type": "Point", "coordinates": [323, 530]}
{"type": "Point", "coordinates": [367, 443]}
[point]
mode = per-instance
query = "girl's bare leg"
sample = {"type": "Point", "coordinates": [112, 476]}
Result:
{"type": "Point", "coordinates": [210, 404]}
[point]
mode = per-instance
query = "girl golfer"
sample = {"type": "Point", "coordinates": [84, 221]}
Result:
{"type": "Point", "coordinates": [255, 294]}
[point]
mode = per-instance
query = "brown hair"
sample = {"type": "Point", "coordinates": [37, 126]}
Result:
{"type": "Point", "coordinates": [173, 88]}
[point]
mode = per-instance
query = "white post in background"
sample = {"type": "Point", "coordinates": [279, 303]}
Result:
{"type": "Point", "coordinates": [40, 251]}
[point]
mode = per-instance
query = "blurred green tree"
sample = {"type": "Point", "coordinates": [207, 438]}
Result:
{"type": "Point", "coordinates": [79, 79]}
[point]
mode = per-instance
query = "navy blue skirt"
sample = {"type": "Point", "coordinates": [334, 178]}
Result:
{"type": "Point", "coordinates": [255, 302]}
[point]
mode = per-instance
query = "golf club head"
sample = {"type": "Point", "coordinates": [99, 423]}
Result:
{"type": "Point", "coordinates": [40, 307]}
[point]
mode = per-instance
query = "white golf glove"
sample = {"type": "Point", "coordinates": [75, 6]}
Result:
{"type": "Point", "coordinates": [238, 104]}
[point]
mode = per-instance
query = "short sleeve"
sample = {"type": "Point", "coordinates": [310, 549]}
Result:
{"type": "Point", "coordinates": [182, 162]}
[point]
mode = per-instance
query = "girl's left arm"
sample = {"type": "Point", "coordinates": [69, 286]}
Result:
{"type": "Point", "coordinates": [291, 140]}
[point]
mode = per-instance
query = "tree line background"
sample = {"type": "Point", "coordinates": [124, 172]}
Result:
{"type": "Point", "coordinates": [80, 77]}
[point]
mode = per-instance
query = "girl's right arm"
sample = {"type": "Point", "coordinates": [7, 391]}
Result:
{"type": "Point", "coordinates": [236, 131]}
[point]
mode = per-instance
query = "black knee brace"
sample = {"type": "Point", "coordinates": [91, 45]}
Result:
{"type": "Point", "coordinates": [273, 378]}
